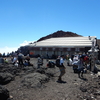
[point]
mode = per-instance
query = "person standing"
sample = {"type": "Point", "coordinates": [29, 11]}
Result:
{"type": "Point", "coordinates": [39, 61]}
{"type": "Point", "coordinates": [62, 69]}
{"type": "Point", "coordinates": [67, 59]}
{"type": "Point", "coordinates": [27, 57]}
{"type": "Point", "coordinates": [80, 67]}
{"type": "Point", "coordinates": [47, 56]}
{"type": "Point", "coordinates": [20, 59]}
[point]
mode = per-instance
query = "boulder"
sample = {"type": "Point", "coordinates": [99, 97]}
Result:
{"type": "Point", "coordinates": [41, 70]}
{"type": "Point", "coordinates": [34, 80]}
{"type": "Point", "coordinates": [5, 78]}
{"type": "Point", "coordinates": [28, 69]}
{"type": "Point", "coordinates": [50, 72]}
{"type": "Point", "coordinates": [4, 93]}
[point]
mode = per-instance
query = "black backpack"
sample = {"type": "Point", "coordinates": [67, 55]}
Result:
{"type": "Point", "coordinates": [58, 62]}
{"type": "Point", "coordinates": [20, 57]}
{"type": "Point", "coordinates": [51, 64]}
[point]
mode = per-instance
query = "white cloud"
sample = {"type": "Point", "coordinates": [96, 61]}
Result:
{"type": "Point", "coordinates": [26, 43]}
{"type": "Point", "coordinates": [7, 49]}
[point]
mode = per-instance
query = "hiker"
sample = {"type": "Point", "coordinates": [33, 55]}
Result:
{"type": "Point", "coordinates": [14, 60]}
{"type": "Point", "coordinates": [20, 58]}
{"type": "Point", "coordinates": [72, 56]}
{"type": "Point", "coordinates": [50, 64]}
{"type": "Point", "coordinates": [61, 68]}
{"type": "Point", "coordinates": [27, 57]}
{"type": "Point", "coordinates": [39, 61]}
{"type": "Point", "coordinates": [80, 67]}
{"type": "Point", "coordinates": [27, 63]}
{"type": "Point", "coordinates": [67, 59]}
{"type": "Point", "coordinates": [16, 63]}
{"type": "Point", "coordinates": [47, 56]}
{"type": "Point", "coordinates": [6, 60]}
{"type": "Point", "coordinates": [75, 63]}
{"type": "Point", "coordinates": [86, 60]}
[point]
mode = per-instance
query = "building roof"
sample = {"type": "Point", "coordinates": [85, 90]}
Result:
{"type": "Point", "coordinates": [65, 42]}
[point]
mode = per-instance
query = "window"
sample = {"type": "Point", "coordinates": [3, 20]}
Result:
{"type": "Point", "coordinates": [47, 49]}
{"type": "Point", "coordinates": [53, 48]}
{"type": "Point", "coordinates": [40, 48]}
{"type": "Point", "coordinates": [61, 49]}
{"type": "Point", "coordinates": [68, 49]}
{"type": "Point", "coordinates": [77, 49]}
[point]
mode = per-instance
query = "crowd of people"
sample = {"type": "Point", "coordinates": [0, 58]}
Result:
{"type": "Point", "coordinates": [18, 60]}
{"type": "Point", "coordinates": [79, 61]}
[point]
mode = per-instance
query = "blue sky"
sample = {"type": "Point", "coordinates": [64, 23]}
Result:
{"type": "Point", "coordinates": [22, 21]}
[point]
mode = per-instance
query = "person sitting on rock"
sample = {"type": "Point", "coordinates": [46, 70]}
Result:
{"type": "Point", "coordinates": [27, 63]}
{"type": "Point", "coordinates": [14, 60]}
{"type": "Point", "coordinates": [6, 60]}
{"type": "Point", "coordinates": [27, 57]}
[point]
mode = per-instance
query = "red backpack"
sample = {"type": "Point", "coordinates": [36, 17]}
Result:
{"type": "Point", "coordinates": [86, 58]}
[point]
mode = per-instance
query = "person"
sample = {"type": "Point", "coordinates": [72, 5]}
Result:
{"type": "Point", "coordinates": [20, 59]}
{"type": "Point", "coordinates": [47, 56]}
{"type": "Point", "coordinates": [6, 60]}
{"type": "Point", "coordinates": [67, 59]}
{"type": "Point", "coordinates": [80, 67]}
{"type": "Point", "coordinates": [27, 63]}
{"type": "Point", "coordinates": [61, 68]}
{"type": "Point", "coordinates": [74, 63]}
{"type": "Point", "coordinates": [39, 61]}
{"type": "Point", "coordinates": [50, 64]}
{"type": "Point", "coordinates": [72, 56]}
{"type": "Point", "coordinates": [14, 60]}
{"type": "Point", "coordinates": [86, 60]}
{"type": "Point", "coordinates": [16, 63]}
{"type": "Point", "coordinates": [27, 57]}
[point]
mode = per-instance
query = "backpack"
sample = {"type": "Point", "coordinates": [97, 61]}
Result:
{"type": "Point", "coordinates": [20, 57]}
{"type": "Point", "coordinates": [40, 61]}
{"type": "Point", "coordinates": [86, 58]}
{"type": "Point", "coordinates": [58, 62]}
{"type": "Point", "coordinates": [51, 64]}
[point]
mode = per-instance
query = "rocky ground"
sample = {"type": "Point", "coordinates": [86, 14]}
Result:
{"type": "Point", "coordinates": [30, 83]}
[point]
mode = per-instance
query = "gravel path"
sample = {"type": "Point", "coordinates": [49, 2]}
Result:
{"type": "Point", "coordinates": [53, 90]}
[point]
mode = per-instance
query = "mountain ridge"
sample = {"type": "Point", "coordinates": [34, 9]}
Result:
{"type": "Point", "coordinates": [59, 34]}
